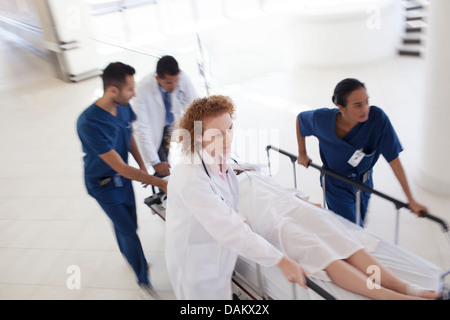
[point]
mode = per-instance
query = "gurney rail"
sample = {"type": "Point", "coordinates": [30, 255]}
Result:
{"type": "Point", "coordinates": [361, 186]}
{"type": "Point", "coordinates": [319, 290]}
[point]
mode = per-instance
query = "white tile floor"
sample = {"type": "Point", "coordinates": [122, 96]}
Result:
{"type": "Point", "coordinates": [48, 222]}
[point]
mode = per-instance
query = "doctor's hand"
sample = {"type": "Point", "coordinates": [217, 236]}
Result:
{"type": "Point", "coordinates": [293, 272]}
{"type": "Point", "coordinates": [144, 170]}
{"type": "Point", "coordinates": [416, 208]}
{"type": "Point", "coordinates": [161, 183]}
{"type": "Point", "coordinates": [164, 186]}
{"type": "Point", "coordinates": [304, 160]}
{"type": "Point", "coordinates": [162, 168]}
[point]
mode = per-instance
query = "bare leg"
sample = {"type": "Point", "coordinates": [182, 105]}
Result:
{"type": "Point", "coordinates": [351, 279]}
{"type": "Point", "coordinates": [362, 260]}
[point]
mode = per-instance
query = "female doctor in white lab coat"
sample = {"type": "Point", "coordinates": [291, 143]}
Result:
{"type": "Point", "coordinates": [204, 232]}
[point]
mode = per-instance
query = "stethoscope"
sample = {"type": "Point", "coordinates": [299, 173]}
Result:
{"type": "Point", "coordinates": [178, 94]}
{"type": "Point", "coordinates": [209, 176]}
{"type": "Point", "coordinates": [181, 96]}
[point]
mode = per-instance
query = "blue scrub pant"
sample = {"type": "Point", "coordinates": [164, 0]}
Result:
{"type": "Point", "coordinates": [119, 205]}
{"type": "Point", "coordinates": [341, 199]}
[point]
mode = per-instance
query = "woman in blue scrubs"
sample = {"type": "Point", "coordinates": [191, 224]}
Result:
{"type": "Point", "coordinates": [105, 131]}
{"type": "Point", "coordinates": [351, 139]}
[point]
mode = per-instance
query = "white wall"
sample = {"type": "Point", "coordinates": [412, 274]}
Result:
{"type": "Point", "coordinates": [434, 169]}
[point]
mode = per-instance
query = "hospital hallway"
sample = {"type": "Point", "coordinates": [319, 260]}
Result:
{"type": "Point", "coordinates": [50, 226]}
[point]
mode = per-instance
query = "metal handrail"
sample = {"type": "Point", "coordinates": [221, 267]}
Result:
{"type": "Point", "coordinates": [361, 186]}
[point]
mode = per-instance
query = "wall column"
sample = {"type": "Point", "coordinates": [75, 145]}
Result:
{"type": "Point", "coordinates": [68, 38]}
{"type": "Point", "coordinates": [434, 163]}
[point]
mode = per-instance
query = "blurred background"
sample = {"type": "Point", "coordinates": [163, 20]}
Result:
{"type": "Point", "coordinates": [274, 58]}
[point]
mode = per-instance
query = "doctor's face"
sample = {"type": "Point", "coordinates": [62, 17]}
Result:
{"type": "Point", "coordinates": [357, 108]}
{"type": "Point", "coordinates": [168, 82]}
{"type": "Point", "coordinates": [218, 134]}
{"type": "Point", "coordinates": [125, 93]}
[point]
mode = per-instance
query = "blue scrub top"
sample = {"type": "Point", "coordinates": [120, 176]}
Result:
{"type": "Point", "coordinates": [375, 136]}
{"type": "Point", "coordinates": [100, 132]}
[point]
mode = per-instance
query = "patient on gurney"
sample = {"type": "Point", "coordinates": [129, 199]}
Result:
{"type": "Point", "coordinates": [319, 241]}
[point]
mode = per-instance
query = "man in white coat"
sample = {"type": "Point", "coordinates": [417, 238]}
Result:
{"type": "Point", "coordinates": [161, 98]}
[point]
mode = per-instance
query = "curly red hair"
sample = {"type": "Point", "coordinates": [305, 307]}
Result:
{"type": "Point", "coordinates": [200, 110]}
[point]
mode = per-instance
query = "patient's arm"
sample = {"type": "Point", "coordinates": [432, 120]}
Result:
{"type": "Point", "coordinates": [314, 204]}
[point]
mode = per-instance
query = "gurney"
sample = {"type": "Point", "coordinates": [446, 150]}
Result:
{"type": "Point", "coordinates": [251, 281]}
{"type": "Point", "coordinates": [270, 283]}
{"type": "Point", "coordinates": [157, 204]}
{"type": "Point", "coordinates": [404, 264]}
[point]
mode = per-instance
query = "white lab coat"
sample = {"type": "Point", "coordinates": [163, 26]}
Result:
{"type": "Point", "coordinates": [151, 112]}
{"type": "Point", "coordinates": [205, 234]}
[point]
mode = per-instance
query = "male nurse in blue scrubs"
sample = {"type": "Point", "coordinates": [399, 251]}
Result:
{"type": "Point", "coordinates": [105, 131]}
{"type": "Point", "coordinates": [351, 139]}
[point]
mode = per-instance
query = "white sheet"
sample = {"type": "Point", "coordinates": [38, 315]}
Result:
{"type": "Point", "coordinates": [264, 201]}
{"type": "Point", "coordinates": [310, 235]}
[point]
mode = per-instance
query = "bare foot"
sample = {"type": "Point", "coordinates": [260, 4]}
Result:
{"type": "Point", "coordinates": [417, 291]}
{"type": "Point", "coordinates": [429, 294]}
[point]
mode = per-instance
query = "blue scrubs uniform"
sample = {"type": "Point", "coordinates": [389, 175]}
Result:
{"type": "Point", "coordinates": [375, 136]}
{"type": "Point", "coordinates": [100, 132]}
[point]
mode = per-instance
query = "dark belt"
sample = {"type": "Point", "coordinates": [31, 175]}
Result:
{"type": "Point", "coordinates": [104, 181]}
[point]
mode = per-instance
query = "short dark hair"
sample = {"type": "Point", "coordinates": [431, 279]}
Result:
{"type": "Point", "coordinates": [167, 65]}
{"type": "Point", "coordinates": [115, 74]}
{"type": "Point", "coordinates": [343, 90]}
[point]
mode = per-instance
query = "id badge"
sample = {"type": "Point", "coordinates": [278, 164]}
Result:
{"type": "Point", "coordinates": [118, 181]}
{"type": "Point", "coordinates": [356, 158]}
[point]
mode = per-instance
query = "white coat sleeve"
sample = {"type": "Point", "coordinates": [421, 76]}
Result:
{"type": "Point", "coordinates": [142, 127]}
{"type": "Point", "coordinates": [225, 225]}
